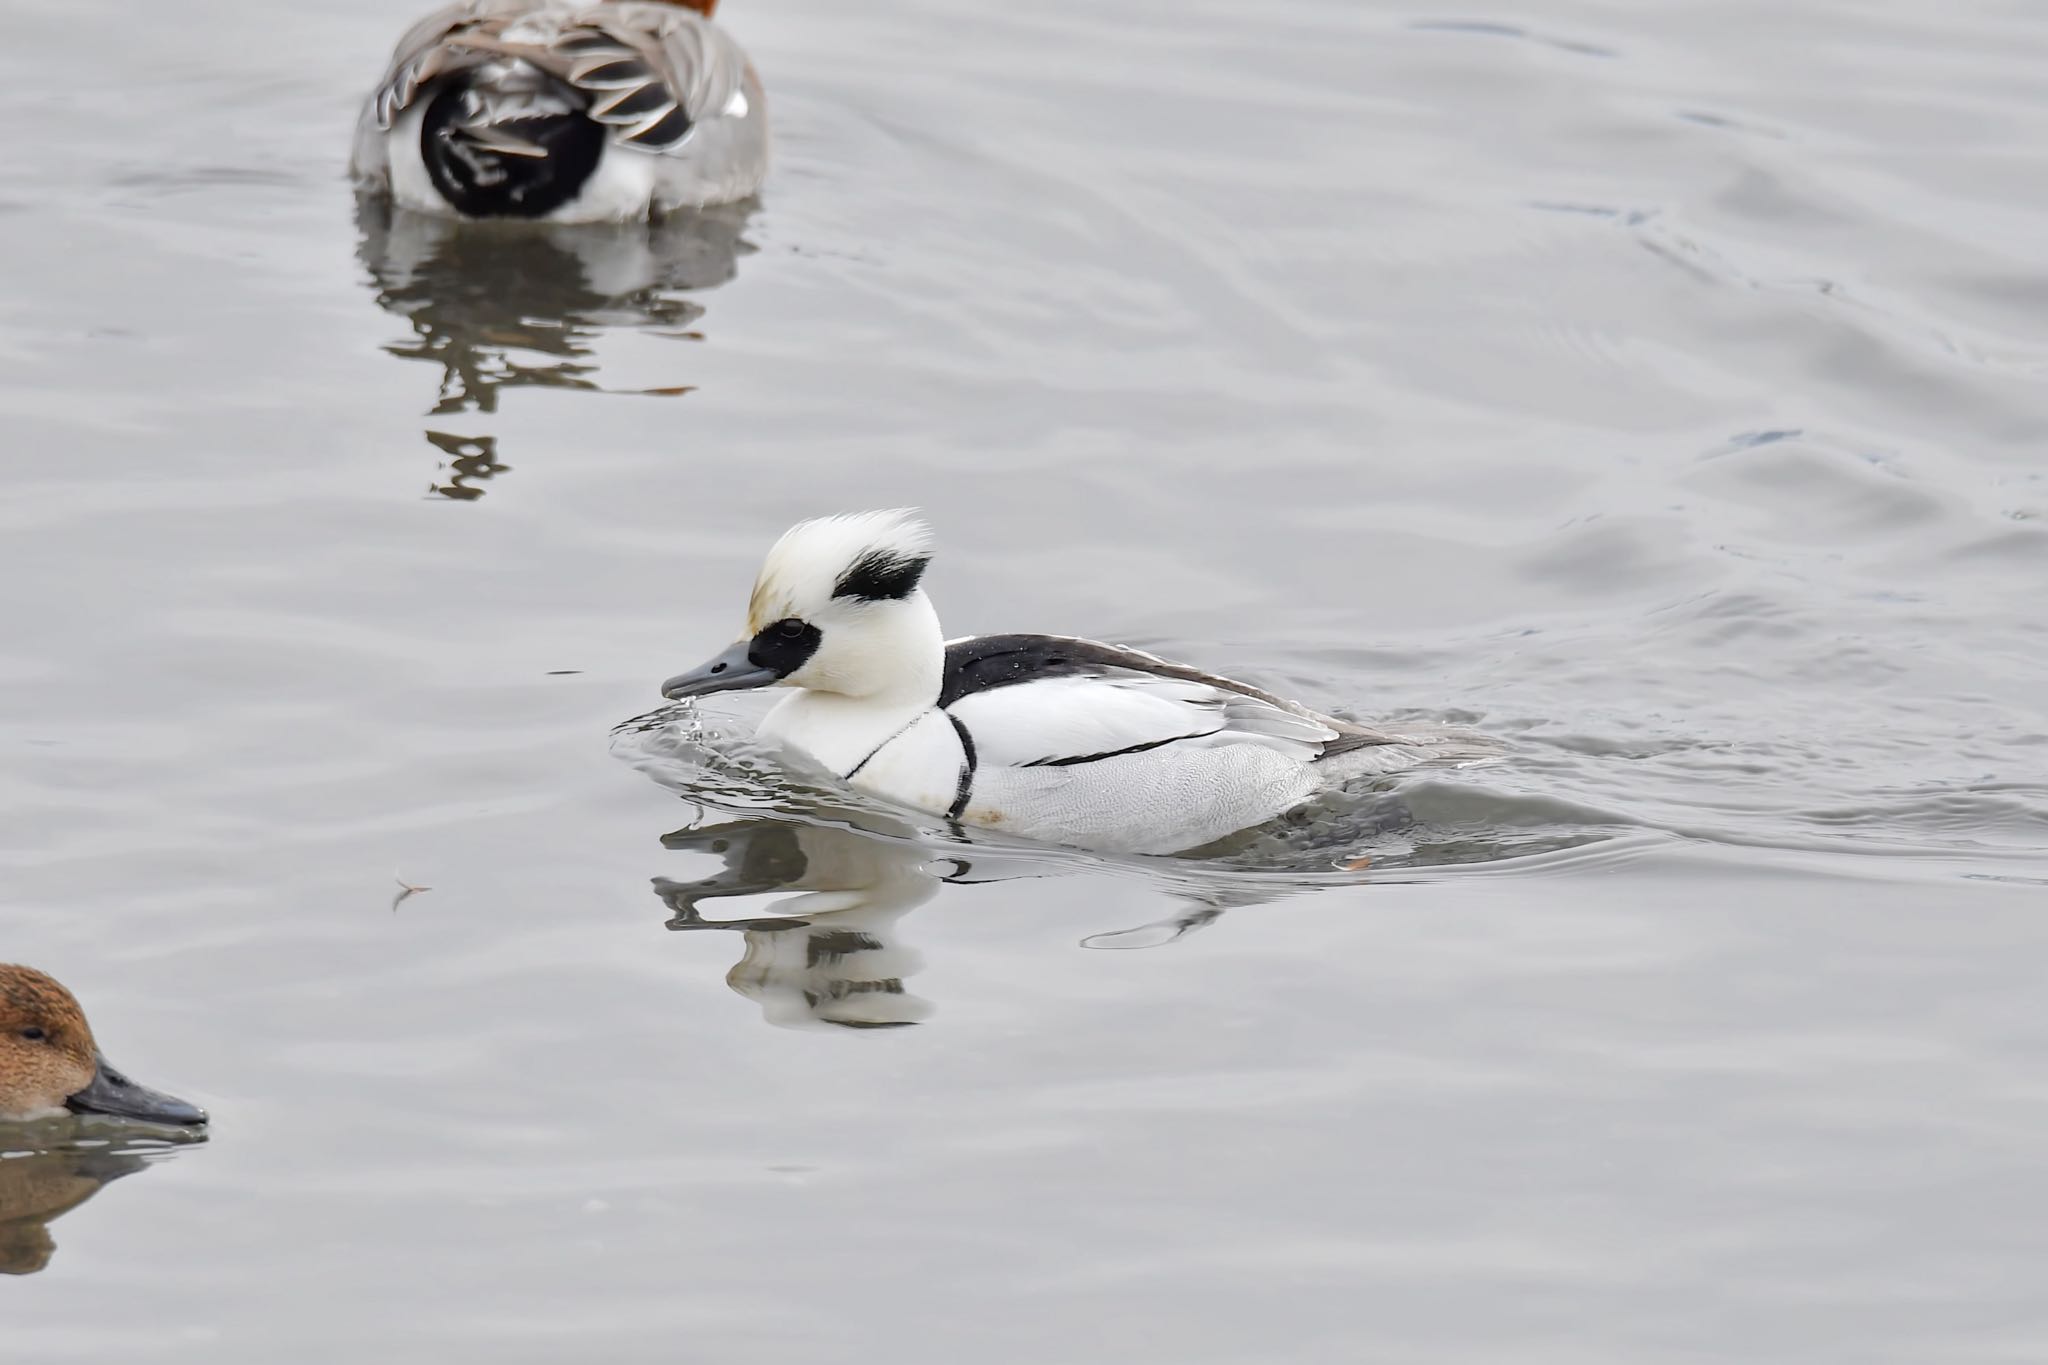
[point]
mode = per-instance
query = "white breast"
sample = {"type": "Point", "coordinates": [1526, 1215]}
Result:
{"type": "Point", "coordinates": [922, 766]}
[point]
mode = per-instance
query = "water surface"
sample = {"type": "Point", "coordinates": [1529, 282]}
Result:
{"type": "Point", "coordinates": [1659, 388]}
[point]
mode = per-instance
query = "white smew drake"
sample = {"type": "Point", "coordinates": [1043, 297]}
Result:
{"type": "Point", "coordinates": [1052, 738]}
{"type": "Point", "coordinates": [571, 111]}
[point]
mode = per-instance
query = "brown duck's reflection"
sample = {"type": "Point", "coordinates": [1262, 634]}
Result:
{"type": "Point", "coordinates": [38, 1187]}
{"type": "Point", "coordinates": [521, 305]}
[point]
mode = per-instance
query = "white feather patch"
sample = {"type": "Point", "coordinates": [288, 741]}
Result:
{"type": "Point", "coordinates": [1057, 720]}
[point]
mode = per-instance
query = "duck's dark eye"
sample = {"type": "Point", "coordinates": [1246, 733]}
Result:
{"type": "Point", "coordinates": [32, 1034]}
{"type": "Point", "coordinates": [789, 627]}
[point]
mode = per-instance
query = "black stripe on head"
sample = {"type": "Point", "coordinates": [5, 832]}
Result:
{"type": "Point", "coordinates": [881, 575]}
{"type": "Point", "coordinates": [785, 646]}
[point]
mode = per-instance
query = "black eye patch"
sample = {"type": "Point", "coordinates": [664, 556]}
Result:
{"type": "Point", "coordinates": [783, 646]}
{"type": "Point", "coordinates": [881, 576]}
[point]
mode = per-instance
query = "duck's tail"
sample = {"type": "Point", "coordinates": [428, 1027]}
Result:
{"type": "Point", "coordinates": [505, 139]}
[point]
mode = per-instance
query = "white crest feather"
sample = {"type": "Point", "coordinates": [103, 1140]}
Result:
{"type": "Point", "coordinates": [805, 565]}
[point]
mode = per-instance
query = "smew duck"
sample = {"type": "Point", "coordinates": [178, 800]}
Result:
{"type": "Point", "coordinates": [1054, 738]}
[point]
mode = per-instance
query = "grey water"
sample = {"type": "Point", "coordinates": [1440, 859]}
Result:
{"type": "Point", "coordinates": [1660, 388]}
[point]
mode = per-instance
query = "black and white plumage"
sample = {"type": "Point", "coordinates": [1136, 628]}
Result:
{"type": "Point", "coordinates": [564, 111]}
{"type": "Point", "coordinates": [1066, 740]}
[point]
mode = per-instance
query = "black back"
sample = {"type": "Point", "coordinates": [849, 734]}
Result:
{"type": "Point", "coordinates": [981, 662]}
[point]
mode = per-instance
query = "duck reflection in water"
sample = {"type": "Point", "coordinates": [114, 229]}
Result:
{"type": "Point", "coordinates": [522, 305]}
{"type": "Point", "coordinates": [63, 1108]}
{"type": "Point", "coordinates": [38, 1187]}
{"type": "Point", "coordinates": [827, 955]}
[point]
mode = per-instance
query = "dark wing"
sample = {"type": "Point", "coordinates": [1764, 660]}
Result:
{"type": "Point", "coordinates": [980, 663]}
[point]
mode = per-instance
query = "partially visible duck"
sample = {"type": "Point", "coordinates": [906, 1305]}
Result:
{"type": "Point", "coordinates": [50, 1065]}
{"type": "Point", "coordinates": [1066, 740]}
{"type": "Point", "coordinates": [572, 111]}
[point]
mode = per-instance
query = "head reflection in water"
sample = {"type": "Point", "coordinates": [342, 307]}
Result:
{"type": "Point", "coordinates": [827, 955]}
{"type": "Point", "coordinates": [38, 1187]}
{"type": "Point", "coordinates": [512, 305]}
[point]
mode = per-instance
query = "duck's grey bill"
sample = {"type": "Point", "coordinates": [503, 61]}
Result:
{"type": "Point", "coordinates": [731, 671]}
{"type": "Point", "coordinates": [113, 1094]}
